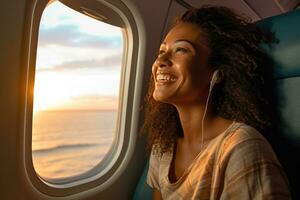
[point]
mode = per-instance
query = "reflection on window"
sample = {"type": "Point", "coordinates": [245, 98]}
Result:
{"type": "Point", "coordinates": [76, 92]}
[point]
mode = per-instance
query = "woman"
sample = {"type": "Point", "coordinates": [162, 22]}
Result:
{"type": "Point", "coordinates": [207, 100]}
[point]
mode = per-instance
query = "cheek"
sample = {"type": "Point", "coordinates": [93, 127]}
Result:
{"type": "Point", "coordinates": [199, 68]}
{"type": "Point", "coordinates": [154, 68]}
{"type": "Point", "coordinates": [152, 77]}
{"type": "Point", "coordinates": [190, 71]}
{"type": "Point", "coordinates": [196, 76]}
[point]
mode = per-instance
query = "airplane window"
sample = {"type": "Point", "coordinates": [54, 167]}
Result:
{"type": "Point", "coordinates": [76, 92]}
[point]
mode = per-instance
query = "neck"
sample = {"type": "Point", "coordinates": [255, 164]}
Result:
{"type": "Point", "coordinates": [191, 118]}
{"type": "Point", "coordinates": [191, 122]}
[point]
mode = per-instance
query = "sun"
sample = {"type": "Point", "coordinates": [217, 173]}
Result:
{"type": "Point", "coordinates": [51, 91]}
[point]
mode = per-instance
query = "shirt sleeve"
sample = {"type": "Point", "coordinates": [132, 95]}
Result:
{"type": "Point", "coordinates": [153, 171]}
{"type": "Point", "coordinates": [252, 172]}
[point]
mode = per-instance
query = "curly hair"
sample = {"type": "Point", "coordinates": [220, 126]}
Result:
{"type": "Point", "coordinates": [244, 93]}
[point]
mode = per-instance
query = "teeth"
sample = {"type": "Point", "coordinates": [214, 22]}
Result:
{"type": "Point", "coordinates": [165, 77]}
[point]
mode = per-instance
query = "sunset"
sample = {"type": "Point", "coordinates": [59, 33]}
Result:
{"type": "Point", "coordinates": [78, 62]}
{"type": "Point", "coordinates": [76, 92]}
{"type": "Point", "coordinates": [67, 91]}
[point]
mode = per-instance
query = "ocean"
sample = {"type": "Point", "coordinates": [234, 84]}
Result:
{"type": "Point", "coordinates": [68, 143]}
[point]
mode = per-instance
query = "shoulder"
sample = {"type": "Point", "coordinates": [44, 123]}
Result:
{"type": "Point", "coordinates": [242, 133]}
{"type": "Point", "coordinates": [152, 175]}
{"type": "Point", "coordinates": [248, 161]}
{"type": "Point", "coordinates": [155, 158]}
{"type": "Point", "coordinates": [245, 143]}
{"type": "Point", "coordinates": [157, 164]}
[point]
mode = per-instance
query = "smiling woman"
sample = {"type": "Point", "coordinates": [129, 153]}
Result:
{"type": "Point", "coordinates": [178, 84]}
{"type": "Point", "coordinates": [206, 147]}
{"type": "Point", "coordinates": [78, 71]}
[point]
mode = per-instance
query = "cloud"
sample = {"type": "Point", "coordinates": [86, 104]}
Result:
{"type": "Point", "coordinates": [106, 62]}
{"type": "Point", "coordinates": [70, 35]}
{"type": "Point", "coordinates": [113, 60]}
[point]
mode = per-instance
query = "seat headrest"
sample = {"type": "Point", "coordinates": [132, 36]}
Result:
{"type": "Point", "coordinates": [286, 53]}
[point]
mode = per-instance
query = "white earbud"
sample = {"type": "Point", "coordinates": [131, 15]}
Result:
{"type": "Point", "coordinates": [214, 79]}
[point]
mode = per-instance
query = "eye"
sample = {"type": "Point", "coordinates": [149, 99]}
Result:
{"type": "Point", "coordinates": [181, 50]}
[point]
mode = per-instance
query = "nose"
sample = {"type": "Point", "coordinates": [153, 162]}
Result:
{"type": "Point", "coordinates": [163, 60]}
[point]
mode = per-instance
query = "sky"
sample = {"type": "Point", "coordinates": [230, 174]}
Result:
{"type": "Point", "coordinates": [78, 62]}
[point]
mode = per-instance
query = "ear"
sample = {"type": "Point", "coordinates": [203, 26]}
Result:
{"type": "Point", "coordinates": [214, 78]}
{"type": "Point", "coordinates": [217, 77]}
{"type": "Point", "coordinates": [220, 77]}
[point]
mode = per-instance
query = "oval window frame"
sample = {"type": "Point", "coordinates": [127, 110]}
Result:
{"type": "Point", "coordinates": [112, 166]}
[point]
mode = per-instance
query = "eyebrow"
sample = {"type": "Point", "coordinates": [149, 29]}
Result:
{"type": "Point", "coordinates": [183, 40]}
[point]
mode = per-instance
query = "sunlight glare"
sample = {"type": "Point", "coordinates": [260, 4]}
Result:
{"type": "Point", "coordinates": [50, 91]}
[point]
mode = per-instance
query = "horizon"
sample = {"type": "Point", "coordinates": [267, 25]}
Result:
{"type": "Point", "coordinates": [78, 64]}
{"type": "Point", "coordinates": [77, 110]}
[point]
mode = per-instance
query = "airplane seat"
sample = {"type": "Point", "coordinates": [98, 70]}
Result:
{"type": "Point", "coordinates": [143, 191]}
{"type": "Point", "coordinates": [285, 56]}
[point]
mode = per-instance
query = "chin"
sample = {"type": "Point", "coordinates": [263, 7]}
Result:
{"type": "Point", "coordinates": [162, 98]}
{"type": "Point", "coordinates": [158, 99]}
{"type": "Point", "coordinates": [165, 96]}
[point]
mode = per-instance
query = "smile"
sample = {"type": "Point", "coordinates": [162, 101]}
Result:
{"type": "Point", "coordinates": [165, 78]}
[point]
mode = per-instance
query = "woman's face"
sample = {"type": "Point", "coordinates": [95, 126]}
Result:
{"type": "Point", "coordinates": [181, 73]}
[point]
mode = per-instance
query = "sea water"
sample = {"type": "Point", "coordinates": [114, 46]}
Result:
{"type": "Point", "coordinates": [68, 143]}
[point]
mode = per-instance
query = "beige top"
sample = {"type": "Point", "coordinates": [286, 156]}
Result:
{"type": "Point", "coordinates": [238, 164]}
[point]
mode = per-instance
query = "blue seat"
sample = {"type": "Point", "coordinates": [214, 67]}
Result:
{"type": "Point", "coordinates": [286, 57]}
{"type": "Point", "coordinates": [143, 191]}
{"type": "Point", "coordinates": [286, 61]}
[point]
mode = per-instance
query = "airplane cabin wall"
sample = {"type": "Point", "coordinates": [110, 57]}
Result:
{"type": "Point", "coordinates": [175, 11]}
{"type": "Point", "coordinates": [12, 21]}
{"type": "Point", "coordinates": [13, 183]}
